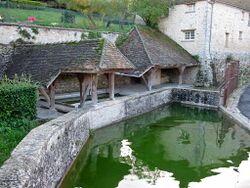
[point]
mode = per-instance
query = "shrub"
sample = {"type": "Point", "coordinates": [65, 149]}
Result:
{"type": "Point", "coordinates": [18, 100]}
{"type": "Point", "coordinates": [94, 35]}
{"type": "Point", "coordinates": [68, 17]}
{"type": "Point", "coordinates": [121, 40]}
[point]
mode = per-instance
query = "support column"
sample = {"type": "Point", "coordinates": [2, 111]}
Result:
{"type": "Point", "coordinates": [112, 86]}
{"type": "Point", "coordinates": [52, 97]}
{"type": "Point", "coordinates": [150, 77]}
{"type": "Point", "coordinates": [44, 93]}
{"type": "Point", "coordinates": [94, 89]}
{"type": "Point", "coordinates": [82, 89]}
{"type": "Point", "coordinates": [181, 71]}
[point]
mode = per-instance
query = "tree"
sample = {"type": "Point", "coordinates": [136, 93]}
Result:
{"type": "Point", "coordinates": [151, 10]}
{"type": "Point", "coordinates": [88, 7]}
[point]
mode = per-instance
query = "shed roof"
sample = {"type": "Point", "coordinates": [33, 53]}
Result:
{"type": "Point", "coordinates": [45, 62]}
{"type": "Point", "coordinates": [146, 47]}
{"type": "Point", "coordinates": [241, 4]}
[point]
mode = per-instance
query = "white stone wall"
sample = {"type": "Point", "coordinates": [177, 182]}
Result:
{"type": "Point", "coordinates": [9, 33]}
{"type": "Point", "coordinates": [179, 19]}
{"type": "Point", "coordinates": [225, 19]}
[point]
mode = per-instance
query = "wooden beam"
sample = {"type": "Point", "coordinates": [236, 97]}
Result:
{"type": "Point", "coordinates": [112, 86]}
{"type": "Point", "coordinates": [181, 71]}
{"type": "Point", "coordinates": [44, 93]}
{"type": "Point", "coordinates": [52, 96]}
{"type": "Point", "coordinates": [94, 89]}
{"type": "Point", "coordinates": [81, 83]}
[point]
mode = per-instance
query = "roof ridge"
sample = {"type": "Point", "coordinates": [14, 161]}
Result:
{"type": "Point", "coordinates": [56, 43]}
{"type": "Point", "coordinates": [144, 46]}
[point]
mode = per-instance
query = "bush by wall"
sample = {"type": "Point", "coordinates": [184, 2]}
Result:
{"type": "Point", "coordinates": [18, 100]}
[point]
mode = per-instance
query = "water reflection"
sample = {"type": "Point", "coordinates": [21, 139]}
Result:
{"type": "Point", "coordinates": [173, 146]}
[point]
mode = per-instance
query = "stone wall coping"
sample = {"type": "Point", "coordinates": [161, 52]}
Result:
{"type": "Point", "coordinates": [51, 27]}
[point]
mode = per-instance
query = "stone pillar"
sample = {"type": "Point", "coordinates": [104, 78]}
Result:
{"type": "Point", "coordinates": [112, 86]}
{"type": "Point", "coordinates": [94, 89]}
{"type": "Point", "coordinates": [181, 71]}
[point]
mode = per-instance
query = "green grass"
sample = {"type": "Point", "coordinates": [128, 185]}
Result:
{"type": "Point", "coordinates": [10, 138]}
{"type": "Point", "coordinates": [52, 17]}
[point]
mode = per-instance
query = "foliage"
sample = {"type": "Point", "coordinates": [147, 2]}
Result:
{"type": "Point", "coordinates": [24, 33]}
{"type": "Point", "coordinates": [52, 17]}
{"type": "Point", "coordinates": [10, 137]}
{"type": "Point", "coordinates": [68, 17]}
{"type": "Point", "coordinates": [151, 11]}
{"type": "Point", "coordinates": [29, 2]}
{"type": "Point", "coordinates": [121, 39]}
{"type": "Point", "coordinates": [196, 57]}
{"type": "Point", "coordinates": [100, 47]}
{"type": "Point", "coordinates": [229, 58]}
{"type": "Point", "coordinates": [18, 100]}
{"type": "Point", "coordinates": [35, 30]}
{"type": "Point", "coordinates": [94, 35]}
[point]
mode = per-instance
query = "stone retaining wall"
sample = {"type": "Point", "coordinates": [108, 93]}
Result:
{"type": "Point", "coordinates": [197, 97]}
{"type": "Point", "coordinates": [11, 32]}
{"type": "Point", "coordinates": [44, 155]}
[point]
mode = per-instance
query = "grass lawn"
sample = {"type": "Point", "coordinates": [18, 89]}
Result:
{"type": "Point", "coordinates": [10, 138]}
{"type": "Point", "coordinates": [52, 17]}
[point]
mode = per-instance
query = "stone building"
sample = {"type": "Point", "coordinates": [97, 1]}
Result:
{"type": "Point", "coordinates": [49, 64]}
{"type": "Point", "coordinates": [214, 30]}
{"type": "Point", "coordinates": [157, 58]}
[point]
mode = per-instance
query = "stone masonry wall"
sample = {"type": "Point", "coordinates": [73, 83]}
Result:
{"type": "Point", "coordinates": [5, 53]}
{"type": "Point", "coordinates": [43, 156]}
{"type": "Point", "coordinates": [197, 97]}
{"type": "Point", "coordinates": [10, 33]}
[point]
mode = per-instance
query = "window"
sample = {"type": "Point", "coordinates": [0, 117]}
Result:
{"type": "Point", "coordinates": [240, 35]}
{"type": "Point", "coordinates": [227, 40]}
{"type": "Point", "coordinates": [189, 34]}
{"type": "Point", "coordinates": [243, 16]}
{"type": "Point", "coordinates": [191, 8]}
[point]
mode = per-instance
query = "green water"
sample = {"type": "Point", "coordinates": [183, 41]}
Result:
{"type": "Point", "coordinates": [172, 146]}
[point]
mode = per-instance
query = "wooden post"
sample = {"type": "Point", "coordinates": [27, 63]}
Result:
{"type": "Point", "coordinates": [81, 83]}
{"type": "Point", "coordinates": [52, 96]}
{"type": "Point", "coordinates": [150, 77]}
{"type": "Point", "coordinates": [44, 93]}
{"type": "Point", "coordinates": [94, 89]}
{"type": "Point", "coordinates": [181, 71]}
{"type": "Point", "coordinates": [112, 86]}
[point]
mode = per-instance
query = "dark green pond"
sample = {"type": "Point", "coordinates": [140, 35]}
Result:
{"type": "Point", "coordinates": [173, 146]}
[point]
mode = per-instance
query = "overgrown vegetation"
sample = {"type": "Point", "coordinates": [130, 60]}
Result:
{"type": "Point", "coordinates": [94, 35]}
{"type": "Point", "coordinates": [121, 40]}
{"type": "Point", "coordinates": [18, 99]}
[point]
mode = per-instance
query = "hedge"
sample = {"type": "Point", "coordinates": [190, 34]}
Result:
{"type": "Point", "coordinates": [17, 102]}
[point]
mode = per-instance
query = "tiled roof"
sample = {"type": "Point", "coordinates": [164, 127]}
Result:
{"type": "Point", "coordinates": [45, 62]}
{"type": "Point", "coordinates": [242, 4]}
{"type": "Point", "coordinates": [146, 48]}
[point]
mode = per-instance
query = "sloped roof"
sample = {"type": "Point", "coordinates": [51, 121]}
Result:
{"type": "Point", "coordinates": [146, 47]}
{"type": "Point", "coordinates": [45, 62]}
{"type": "Point", "coordinates": [242, 4]}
